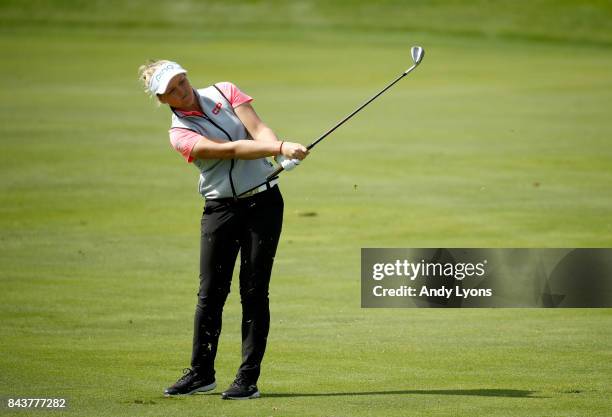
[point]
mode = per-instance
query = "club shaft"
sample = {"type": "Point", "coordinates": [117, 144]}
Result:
{"type": "Point", "coordinates": [280, 169]}
{"type": "Point", "coordinates": [358, 109]}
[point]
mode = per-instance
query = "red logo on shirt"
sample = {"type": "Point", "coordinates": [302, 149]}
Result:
{"type": "Point", "coordinates": [217, 108]}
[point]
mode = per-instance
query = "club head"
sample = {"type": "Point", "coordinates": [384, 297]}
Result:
{"type": "Point", "coordinates": [417, 54]}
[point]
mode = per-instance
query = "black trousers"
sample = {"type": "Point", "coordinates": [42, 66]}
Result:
{"type": "Point", "coordinates": [252, 226]}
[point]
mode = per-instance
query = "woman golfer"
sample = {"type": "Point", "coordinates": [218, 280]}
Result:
{"type": "Point", "coordinates": [217, 130]}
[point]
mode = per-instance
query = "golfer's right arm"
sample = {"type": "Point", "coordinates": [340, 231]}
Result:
{"type": "Point", "coordinates": [206, 148]}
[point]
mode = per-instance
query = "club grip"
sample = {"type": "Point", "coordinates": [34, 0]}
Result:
{"type": "Point", "coordinates": [275, 173]}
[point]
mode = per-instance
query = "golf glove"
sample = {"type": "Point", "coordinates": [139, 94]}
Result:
{"type": "Point", "coordinates": [287, 164]}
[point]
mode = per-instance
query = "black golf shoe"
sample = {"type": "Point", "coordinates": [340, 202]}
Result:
{"type": "Point", "coordinates": [241, 389]}
{"type": "Point", "coordinates": [190, 383]}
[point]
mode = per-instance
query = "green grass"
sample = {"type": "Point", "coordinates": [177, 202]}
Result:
{"type": "Point", "coordinates": [499, 139]}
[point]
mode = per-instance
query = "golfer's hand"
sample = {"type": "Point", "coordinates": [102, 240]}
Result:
{"type": "Point", "coordinates": [286, 163]}
{"type": "Point", "coordinates": [294, 150]}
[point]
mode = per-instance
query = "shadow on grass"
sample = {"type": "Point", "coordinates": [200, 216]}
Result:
{"type": "Point", "coordinates": [513, 393]}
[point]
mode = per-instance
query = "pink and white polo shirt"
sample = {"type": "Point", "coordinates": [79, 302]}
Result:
{"type": "Point", "coordinates": [183, 140]}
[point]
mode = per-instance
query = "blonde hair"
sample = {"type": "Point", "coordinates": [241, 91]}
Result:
{"type": "Point", "coordinates": [146, 71]}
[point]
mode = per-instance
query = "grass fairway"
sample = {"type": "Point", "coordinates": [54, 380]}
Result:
{"type": "Point", "coordinates": [500, 139]}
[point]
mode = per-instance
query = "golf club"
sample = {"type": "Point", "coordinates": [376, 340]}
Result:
{"type": "Point", "coordinates": [417, 54]}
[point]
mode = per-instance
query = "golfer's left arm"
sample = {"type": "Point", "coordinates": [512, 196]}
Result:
{"type": "Point", "coordinates": [255, 126]}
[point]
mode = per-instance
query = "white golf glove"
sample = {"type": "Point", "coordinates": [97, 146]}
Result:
{"type": "Point", "coordinates": [287, 164]}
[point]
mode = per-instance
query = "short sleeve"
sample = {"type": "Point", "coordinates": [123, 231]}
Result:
{"type": "Point", "coordinates": [233, 94]}
{"type": "Point", "coordinates": [183, 140]}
